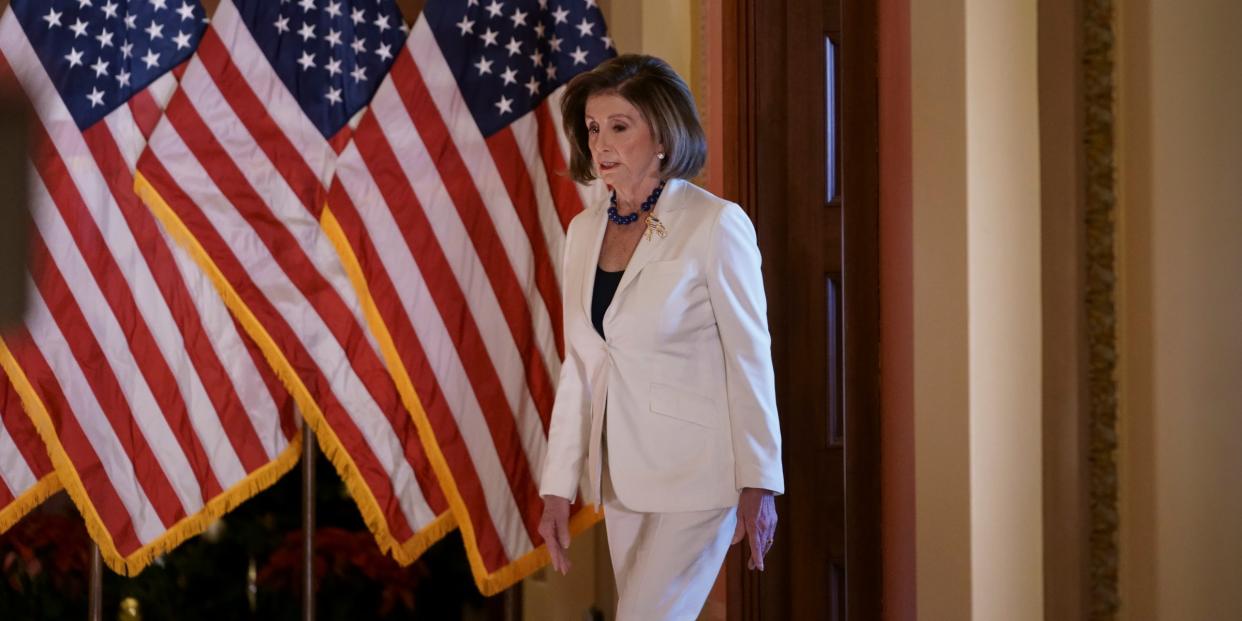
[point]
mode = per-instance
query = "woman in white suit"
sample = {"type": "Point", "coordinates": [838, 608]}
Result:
{"type": "Point", "coordinates": [665, 411]}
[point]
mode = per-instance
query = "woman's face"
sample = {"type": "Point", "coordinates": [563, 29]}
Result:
{"type": "Point", "coordinates": [623, 145]}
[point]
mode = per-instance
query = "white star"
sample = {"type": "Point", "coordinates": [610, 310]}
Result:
{"type": "Point", "coordinates": [74, 57]}
{"type": "Point", "coordinates": [607, 42]}
{"type": "Point", "coordinates": [560, 15]}
{"type": "Point", "coordinates": [159, 4]}
{"type": "Point", "coordinates": [518, 17]}
{"type": "Point", "coordinates": [357, 16]}
{"type": "Point", "coordinates": [489, 38]}
{"type": "Point", "coordinates": [470, 3]}
{"type": "Point", "coordinates": [155, 31]}
{"type": "Point", "coordinates": [384, 51]}
{"type": "Point", "coordinates": [505, 105]}
{"type": "Point", "coordinates": [509, 76]}
{"type": "Point", "coordinates": [585, 27]}
{"type": "Point", "coordinates": [186, 11]}
{"type": "Point", "coordinates": [466, 25]}
{"type": "Point", "coordinates": [84, 3]}
{"type": "Point", "coordinates": [151, 59]}
{"type": "Point", "coordinates": [127, 49]}
{"type": "Point", "coordinates": [579, 55]}
{"type": "Point", "coordinates": [551, 71]}
{"type": "Point", "coordinates": [122, 79]}
{"type": "Point", "coordinates": [131, 21]}
{"type": "Point", "coordinates": [514, 46]}
{"type": "Point", "coordinates": [307, 32]}
{"type": "Point", "coordinates": [334, 95]}
{"type": "Point", "coordinates": [537, 58]}
{"type": "Point", "coordinates": [334, 9]}
{"type": "Point", "coordinates": [52, 18]}
{"type": "Point", "coordinates": [96, 97]}
{"type": "Point", "coordinates": [539, 28]}
{"type": "Point", "coordinates": [359, 45]}
{"type": "Point", "coordinates": [182, 40]}
{"type": "Point", "coordinates": [484, 65]}
{"type": "Point", "coordinates": [333, 66]}
{"type": "Point", "coordinates": [359, 74]}
{"type": "Point", "coordinates": [532, 85]}
{"type": "Point", "coordinates": [282, 24]}
{"type": "Point", "coordinates": [555, 42]}
{"type": "Point", "coordinates": [307, 61]}
{"type": "Point", "coordinates": [381, 22]}
{"type": "Point", "coordinates": [333, 37]}
{"type": "Point", "coordinates": [110, 9]}
{"type": "Point", "coordinates": [590, 4]}
{"type": "Point", "coordinates": [494, 8]}
{"type": "Point", "coordinates": [543, 4]}
{"type": "Point", "coordinates": [104, 38]}
{"type": "Point", "coordinates": [100, 67]}
{"type": "Point", "coordinates": [78, 28]}
{"type": "Point", "coordinates": [307, 5]}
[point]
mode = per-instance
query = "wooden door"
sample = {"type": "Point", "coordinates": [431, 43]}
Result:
{"type": "Point", "coordinates": [805, 122]}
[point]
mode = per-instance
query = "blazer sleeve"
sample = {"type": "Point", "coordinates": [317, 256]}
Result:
{"type": "Point", "coordinates": [570, 428]}
{"type": "Point", "coordinates": [735, 284]}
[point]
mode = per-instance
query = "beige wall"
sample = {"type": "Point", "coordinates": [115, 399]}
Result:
{"type": "Point", "coordinates": [1180, 261]}
{"type": "Point", "coordinates": [977, 345]}
{"type": "Point", "coordinates": [1003, 255]}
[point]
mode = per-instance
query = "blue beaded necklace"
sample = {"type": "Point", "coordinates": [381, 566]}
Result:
{"type": "Point", "coordinates": [633, 217]}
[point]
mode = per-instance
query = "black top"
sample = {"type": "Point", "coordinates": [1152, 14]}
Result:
{"type": "Point", "coordinates": [601, 296]}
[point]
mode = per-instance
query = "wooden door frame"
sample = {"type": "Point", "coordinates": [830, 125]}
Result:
{"type": "Point", "coordinates": [758, 121]}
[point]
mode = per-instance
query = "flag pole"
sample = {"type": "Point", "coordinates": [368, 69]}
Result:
{"type": "Point", "coordinates": [308, 523]}
{"type": "Point", "coordinates": [95, 605]}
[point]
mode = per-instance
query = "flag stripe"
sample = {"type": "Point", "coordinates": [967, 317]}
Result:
{"type": "Point", "coordinates": [18, 425]}
{"type": "Point", "coordinates": [90, 352]}
{"type": "Point", "coordinates": [287, 253]}
{"type": "Point", "coordinates": [125, 510]}
{"type": "Point", "coordinates": [250, 110]}
{"type": "Point", "coordinates": [465, 195]}
{"type": "Point", "coordinates": [260, 79]}
{"type": "Point", "coordinates": [183, 321]}
{"type": "Point", "coordinates": [517, 180]}
{"type": "Point", "coordinates": [452, 442]}
{"type": "Point", "coordinates": [565, 194]}
{"type": "Point", "coordinates": [416, 169]}
{"type": "Point", "coordinates": [526, 133]}
{"type": "Point", "coordinates": [368, 466]}
{"type": "Point", "coordinates": [420, 239]}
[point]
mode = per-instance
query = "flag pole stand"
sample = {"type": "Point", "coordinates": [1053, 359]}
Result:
{"type": "Point", "coordinates": [308, 523]}
{"type": "Point", "coordinates": [95, 603]}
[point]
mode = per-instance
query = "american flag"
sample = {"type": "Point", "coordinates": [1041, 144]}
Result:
{"type": "Point", "coordinates": [238, 169]}
{"type": "Point", "coordinates": [452, 203]}
{"type": "Point", "coordinates": [157, 412]}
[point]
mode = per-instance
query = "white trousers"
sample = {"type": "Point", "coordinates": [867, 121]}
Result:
{"type": "Point", "coordinates": [665, 563]}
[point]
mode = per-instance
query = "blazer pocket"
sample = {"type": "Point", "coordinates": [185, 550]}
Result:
{"type": "Point", "coordinates": [683, 405]}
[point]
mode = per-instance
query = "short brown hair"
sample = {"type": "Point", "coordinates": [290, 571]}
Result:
{"type": "Point", "coordinates": [660, 95]}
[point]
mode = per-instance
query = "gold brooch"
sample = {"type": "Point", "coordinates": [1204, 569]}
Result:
{"type": "Point", "coordinates": [654, 226]}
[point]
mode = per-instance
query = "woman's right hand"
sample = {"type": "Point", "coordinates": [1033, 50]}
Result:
{"type": "Point", "coordinates": [554, 527]}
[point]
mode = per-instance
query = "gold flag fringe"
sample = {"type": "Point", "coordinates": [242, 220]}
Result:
{"type": "Point", "coordinates": [29, 499]}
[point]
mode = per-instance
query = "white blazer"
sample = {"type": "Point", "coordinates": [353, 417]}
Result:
{"type": "Point", "coordinates": [686, 370]}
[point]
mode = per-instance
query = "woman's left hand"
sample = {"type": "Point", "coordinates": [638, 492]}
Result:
{"type": "Point", "coordinates": [756, 520]}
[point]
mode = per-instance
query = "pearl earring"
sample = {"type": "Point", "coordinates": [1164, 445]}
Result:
{"type": "Point", "coordinates": [660, 155]}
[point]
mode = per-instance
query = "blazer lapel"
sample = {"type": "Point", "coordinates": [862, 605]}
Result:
{"type": "Point", "coordinates": [592, 260]}
{"type": "Point", "coordinates": [647, 249]}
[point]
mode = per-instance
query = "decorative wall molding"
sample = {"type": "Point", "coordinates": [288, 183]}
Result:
{"type": "Point", "coordinates": [1101, 279]}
